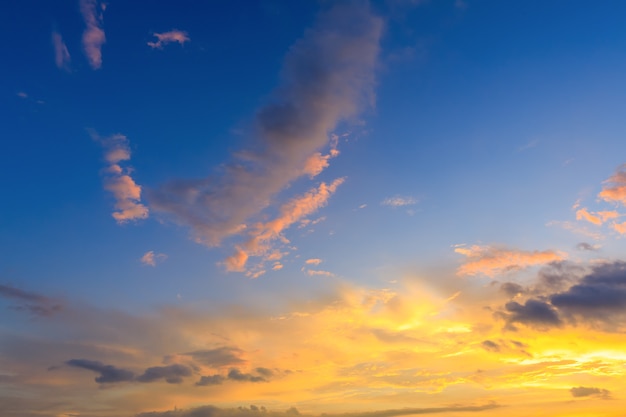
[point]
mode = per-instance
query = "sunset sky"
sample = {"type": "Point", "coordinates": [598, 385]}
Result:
{"type": "Point", "coordinates": [349, 208]}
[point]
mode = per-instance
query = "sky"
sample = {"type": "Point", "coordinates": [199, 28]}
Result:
{"type": "Point", "coordinates": [303, 208]}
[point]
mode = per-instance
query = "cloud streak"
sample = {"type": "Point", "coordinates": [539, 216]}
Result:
{"type": "Point", "coordinates": [328, 76]}
{"type": "Point", "coordinates": [492, 261]}
{"type": "Point", "coordinates": [93, 36]}
{"type": "Point", "coordinates": [62, 57]}
{"type": "Point", "coordinates": [31, 302]}
{"type": "Point", "coordinates": [169, 37]}
{"type": "Point", "coordinates": [151, 259]}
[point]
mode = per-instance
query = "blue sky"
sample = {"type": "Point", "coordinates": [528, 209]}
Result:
{"type": "Point", "coordinates": [184, 167]}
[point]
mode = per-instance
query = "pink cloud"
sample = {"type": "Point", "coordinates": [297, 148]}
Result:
{"type": "Point", "coordinates": [61, 54]}
{"type": "Point", "coordinates": [93, 36]}
{"type": "Point", "coordinates": [169, 37]}
{"type": "Point", "coordinates": [492, 261]}
{"type": "Point", "coordinates": [151, 259]}
{"type": "Point", "coordinates": [117, 181]}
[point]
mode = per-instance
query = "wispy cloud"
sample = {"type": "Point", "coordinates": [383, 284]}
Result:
{"type": "Point", "coordinates": [262, 235]}
{"type": "Point", "coordinates": [150, 258]}
{"type": "Point", "coordinates": [492, 261]}
{"type": "Point", "coordinates": [31, 302]}
{"type": "Point", "coordinates": [399, 201]}
{"type": "Point", "coordinates": [169, 37]}
{"type": "Point", "coordinates": [93, 36]}
{"type": "Point", "coordinates": [328, 76]}
{"type": "Point", "coordinates": [313, 261]}
{"type": "Point", "coordinates": [118, 181]}
{"type": "Point", "coordinates": [62, 57]}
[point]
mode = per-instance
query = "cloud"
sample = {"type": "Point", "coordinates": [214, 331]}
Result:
{"type": "Point", "coordinates": [263, 234]}
{"type": "Point", "coordinates": [596, 218]}
{"type": "Point", "coordinates": [236, 375]}
{"type": "Point", "coordinates": [93, 36]}
{"type": "Point", "coordinates": [490, 346]}
{"type": "Point", "coordinates": [117, 180]}
{"type": "Point", "coordinates": [327, 77]}
{"type": "Point", "coordinates": [62, 57]}
{"type": "Point", "coordinates": [109, 374]}
{"type": "Point", "coordinates": [590, 391]}
{"type": "Point", "coordinates": [584, 246]}
{"type": "Point", "coordinates": [313, 261]}
{"type": "Point", "coordinates": [319, 272]}
{"type": "Point", "coordinates": [614, 190]}
{"type": "Point", "coordinates": [218, 357]}
{"type": "Point", "coordinates": [31, 302]}
{"type": "Point", "coordinates": [172, 374]}
{"type": "Point", "coordinates": [207, 380]}
{"type": "Point", "coordinates": [600, 295]}
{"type": "Point", "coordinates": [399, 201]}
{"type": "Point", "coordinates": [169, 37]}
{"type": "Point", "coordinates": [534, 313]}
{"type": "Point", "coordinates": [150, 258]}
{"type": "Point", "coordinates": [595, 296]}
{"type": "Point", "coordinates": [492, 261]}
{"type": "Point", "coordinates": [22, 94]}
{"type": "Point", "coordinates": [212, 411]}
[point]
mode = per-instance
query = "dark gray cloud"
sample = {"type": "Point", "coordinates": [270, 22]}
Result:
{"type": "Point", "coordinates": [490, 346]}
{"type": "Point", "coordinates": [595, 296]}
{"type": "Point", "coordinates": [236, 375]}
{"type": "Point", "coordinates": [222, 356]}
{"type": "Point", "coordinates": [590, 391]}
{"type": "Point", "coordinates": [172, 374]}
{"type": "Point", "coordinates": [534, 313]}
{"type": "Point", "coordinates": [211, 411]}
{"type": "Point", "coordinates": [109, 374]}
{"type": "Point", "coordinates": [600, 295]}
{"type": "Point", "coordinates": [584, 246]}
{"type": "Point", "coordinates": [328, 76]}
{"type": "Point", "coordinates": [512, 289]}
{"type": "Point", "coordinates": [207, 380]}
{"type": "Point", "coordinates": [31, 302]}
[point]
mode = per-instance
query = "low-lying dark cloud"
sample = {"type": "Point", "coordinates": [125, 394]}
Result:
{"type": "Point", "coordinates": [109, 374]}
{"type": "Point", "coordinates": [211, 411]}
{"type": "Point", "coordinates": [31, 302]}
{"type": "Point", "coordinates": [590, 391]}
{"type": "Point", "coordinates": [234, 374]}
{"type": "Point", "coordinates": [172, 374]}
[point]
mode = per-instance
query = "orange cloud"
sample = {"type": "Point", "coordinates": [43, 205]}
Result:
{"type": "Point", "coordinates": [615, 190]}
{"type": "Point", "coordinates": [596, 218]}
{"type": "Point", "coordinates": [313, 261]}
{"type": "Point", "coordinates": [263, 234]}
{"type": "Point", "coordinates": [620, 228]}
{"type": "Point", "coordinates": [491, 261]}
